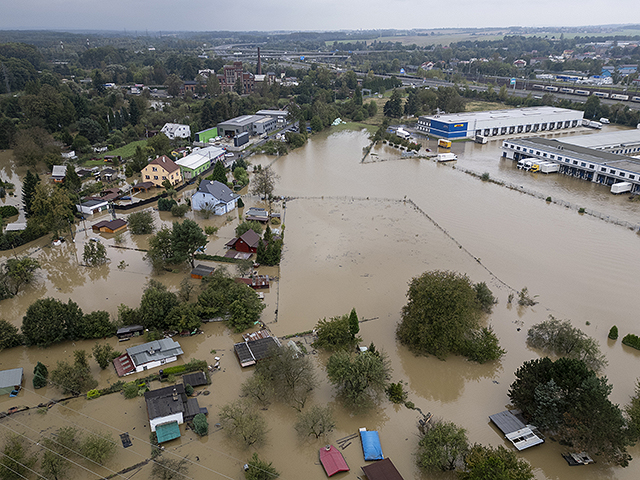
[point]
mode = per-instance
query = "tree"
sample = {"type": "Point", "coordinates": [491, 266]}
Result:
{"type": "Point", "coordinates": [200, 425]}
{"type": "Point", "coordinates": [317, 421]}
{"type": "Point", "coordinates": [570, 398]}
{"type": "Point", "coordinates": [160, 251]}
{"type": "Point", "coordinates": [74, 379]}
{"type": "Point", "coordinates": [96, 324]}
{"type": "Point", "coordinates": [52, 208]}
{"type": "Point", "coordinates": [393, 106]}
{"type": "Point", "coordinates": [95, 253]}
{"type": "Point", "coordinates": [219, 173]}
{"type": "Point", "coordinates": [54, 465]}
{"type": "Point", "coordinates": [223, 297]}
{"type": "Point", "coordinates": [260, 469]}
{"type": "Point", "coordinates": [316, 123]}
{"type": "Point", "coordinates": [359, 378]}
{"type": "Point", "coordinates": [160, 143]}
{"type": "Point", "coordinates": [165, 204]}
{"type": "Point", "coordinates": [264, 183]}
{"type": "Point", "coordinates": [40, 375]}
{"type": "Point", "coordinates": [354, 324]}
{"type": "Point", "coordinates": [633, 411]}
{"type": "Point", "coordinates": [592, 107]}
{"type": "Point", "coordinates": [441, 314]}
{"type": "Point", "coordinates": [49, 321]}
{"type": "Point", "coordinates": [485, 297]}
{"type": "Point", "coordinates": [9, 335]}
{"type": "Point", "coordinates": [141, 223]}
{"type": "Point", "coordinates": [17, 272]}
{"type": "Point", "coordinates": [247, 225]}
{"type": "Point", "coordinates": [98, 447]}
{"type": "Point", "coordinates": [29, 191]}
{"type": "Point", "coordinates": [71, 180]}
{"type": "Point", "coordinates": [495, 463]}
{"type": "Point", "coordinates": [258, 389]}
{"type": "Point", "coordinates": [17, 458]}
{"type": "Point", "coordinates": [559, 337]}
{"type": "Point", "coordinates": [443, 446]}
{"type": "Point", "coordinates": [243, 422]}
{"type": "Point", "coordinates": [291, 375]}
{"type": "Point", "coordinates": [156, 303]}
{"type": "Point", "coordinates": [336, 333]}
{"type": "Point", "coordinates": [186, 239]}
{"type": "Point", "coordinates": [170, 469]}
{"type": "Point", "coordinates": [104, 354]}
{"type": "Point", "coordinates": [183, 318]}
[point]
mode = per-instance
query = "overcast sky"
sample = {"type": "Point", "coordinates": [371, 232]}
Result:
{"type": "Point", "coordinates": [269, 15]}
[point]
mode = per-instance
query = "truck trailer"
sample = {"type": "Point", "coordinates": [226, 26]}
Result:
{"type": "Point", "coordinates": [446, 157]}
{"type": "Point", "coordinates": [621, 187]}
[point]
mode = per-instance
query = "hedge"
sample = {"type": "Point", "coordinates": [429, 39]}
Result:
{"type": "Point", "coordinates": [632, 340]}
{"type": "Point", "coordinates": [193, 366]}
{"type": "Point", "coordinates": [8, 211]}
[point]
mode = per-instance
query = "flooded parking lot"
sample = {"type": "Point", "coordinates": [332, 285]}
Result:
{"type": "Point", "coordinates": [356, 233]}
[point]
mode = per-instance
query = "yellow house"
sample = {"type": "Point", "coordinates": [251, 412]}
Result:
{"type": "Point", "coordinates": [161, 169]}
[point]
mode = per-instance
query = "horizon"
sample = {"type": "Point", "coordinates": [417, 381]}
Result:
{"type": "Point", "coordinates": [321, 16]}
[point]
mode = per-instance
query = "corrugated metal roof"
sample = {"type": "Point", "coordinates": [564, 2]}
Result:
{"type": "Point", "coordinates": [154, 351]}
{"type": "Point", "coordinates": [506, 421]}
{"type": "Point", "coordinates": [11, 378]}
{"type": "Point", "coordinates": [382, 470]}
{"type": "Point", "coordinates": [167, 431]}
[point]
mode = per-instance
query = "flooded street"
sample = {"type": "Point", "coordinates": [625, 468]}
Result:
{"type": "Point", "coordinates": [356, 233]}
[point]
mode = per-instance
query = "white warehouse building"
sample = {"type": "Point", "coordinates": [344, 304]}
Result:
{"type": "Point", "coordinates": [499, 122]}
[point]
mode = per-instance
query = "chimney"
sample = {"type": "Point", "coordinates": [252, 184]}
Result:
{"type": "Point", "coordinates": [175, 395]}
{"type": "Point", "coordinates": [259, 64]}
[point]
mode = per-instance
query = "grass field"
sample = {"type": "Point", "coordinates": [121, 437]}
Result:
{"type": "Point", "coordinates": [128, 150]}
{"type": "Point", "coordinates": [479, 106]}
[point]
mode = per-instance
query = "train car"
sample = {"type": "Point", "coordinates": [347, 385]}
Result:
{"type": "Point", "coordinates": [538, 87]}
{"type": "Point", "coordinates": [586, 93]}
{"type": "Point", "coordinates": [635, 99]}
{"type": "Point", "coordinates": [617, 96]}
{"type": "Point", "coordinates": [601, 94]}
{"type": "Point", "coordinates": [551, 88]}
{"type": "Point", "coordinates": [566, 90]}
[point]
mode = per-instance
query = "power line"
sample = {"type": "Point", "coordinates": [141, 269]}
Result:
{"type": "Point", "coordinates": [21, 464]}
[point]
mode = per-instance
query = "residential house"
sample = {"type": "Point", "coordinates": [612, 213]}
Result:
{"type": "Point", "coordinates": [199, 161]}
{"type": "Point", "coordinates": [215, 197]}
{"type": "Point", "coordinates": [58, 173]}
{"type": "Point", "coordinates": [169, 407]}
{"type": "Point", "coordinates": [113, 226]}
{"type": "Point", "coordinates": [176, 130]}
{"type": "Point", "coordinates": [248, 242]}
{"type": "Point", "coordinates": [515, 430]}
{"type": "Point", "coordinates": [10, 380]}
{"type": "Point", "coordinates": [148, 355]}
{"type": "Point", "coordinates": [250, 352]}
{"type": "Point", "coordinates": [92, 205]}
{"type": "Point", "coordinates": [161, 169]}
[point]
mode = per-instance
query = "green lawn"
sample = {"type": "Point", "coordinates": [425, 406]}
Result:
{"type": "Point", "coordinates": [128, 150]}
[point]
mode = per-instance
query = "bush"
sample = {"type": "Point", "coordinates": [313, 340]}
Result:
{"type": "Point", "coordinates": [188, 389]}
{"type": "Point", "coordinates": [40, 376]}
{"type": "Point", "coordinates": [166, 204]}
{"type": "Point", "coordinates": [8, 211]}
{"type": "Point", "coordinates": [130, 390]}
{"type": "Point", "coordinates": [485, 296]}
{"type": "Point", "coordinates": [396, 393]}
{"type": "Point", "coordinates": [178, 369]}
{"type": "Point", "coordinates": [209, 230]}
{"type": "Point", "coordinates": [631, 340]}
{"type": "Point", "coordinates": [179, 210]}
{"type": "Point", "coordinates": [581, 210]}
{"type": "Point", "coordinates": [91, 394]}
{"type": "Point", "coordinates": [141, 223]}
{"type": "Point", "coordinates": [200, 424]}
{"type": "Point", "coordinates": [613, 333]}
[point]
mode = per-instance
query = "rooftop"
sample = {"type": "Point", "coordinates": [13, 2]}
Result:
{"type": "Point", "coordinates": [154, 351]}
{"type": "Point", "coordinates": [620, 138]}
{"type": "Point", "coordinates": [11, 378]}
{"type": "Point", "coordinates": [508, 113]}
{"type": "Point", "coordinates": [382, 470]}
{"type": "Point", "coordinates": [165, 401]}
{"type": "Point", "coordinates": [241, 121]}
{"type": "Point", "coordinates": [197, 158]}
{"type": "Point", "coordinates": [166, 163]}
{"type": "Point", "coordinates": [220, 192]}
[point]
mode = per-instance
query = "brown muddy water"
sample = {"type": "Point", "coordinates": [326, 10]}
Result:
{"type": "Point", "coordinates": [355, 236]}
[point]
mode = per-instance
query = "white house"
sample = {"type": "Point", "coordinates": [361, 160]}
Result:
{"type": "Point", "coordinates": [169, 407]}
{"type": "Point", "coordinates": [91, 206]}
{"type": "Point", "coordinates": [215, 197]}
{"type": "Point", "coordinates": [176, 130]}
{"type": "Point", "coordinates": [148, 355]}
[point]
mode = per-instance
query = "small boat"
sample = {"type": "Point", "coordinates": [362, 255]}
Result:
{"type": "Point", "coordinates": [574, 459]}
{"type": "Point", "coordinates": [332, 460]}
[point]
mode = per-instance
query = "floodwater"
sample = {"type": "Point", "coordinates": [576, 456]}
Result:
{"type": "Point", "coordinates": [356, 233]}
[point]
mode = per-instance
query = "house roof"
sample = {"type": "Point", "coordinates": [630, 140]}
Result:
{"type": "Point", "coordinates": [195, 379]}
{"type": "Point", "coordinates": [382, 470]}
{"type": "Point", "coordinates": [172, 127]}
{"type": "Point", "coordinates": [165, 401]}
{"type": "Point", "coordinates": [94, 203]}
{"type": "Point", "coordinates": [250, 352]}
{"type": "Point", "coordinates": [130, 329]}
{"type": "Point", "coordinates": [251, 238]}
{"type": "Point", "coordinates": [11, 378]}
{"type": "Point", "coordinates": [111, 225]}
{"type": "Point", "coordinates": [217, 190]}
{"type": "Point", "coordinates": [332, 460]}
{"type": "Point", "coordinates": [167, 431]}
{"type": "Point", "coordinates": [199, 157]}
{"type": "Point", "coordinates": [154, 351]}
{"type": "Point", "coordinates": [166, 163]}
{"type": "Point", "coordinates": [59, 171]}
{"type": "Point", "coordinates": [202, 270]}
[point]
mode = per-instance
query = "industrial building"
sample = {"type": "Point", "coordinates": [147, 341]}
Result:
{"type": "Point", "coordinates": [252, 124]}
{"type": "Point", "coordinates": [622, 142]}
{"type": "Point", "coordinates": [499, 122]}
{"type": "Point", "coordinates": [596, 166]}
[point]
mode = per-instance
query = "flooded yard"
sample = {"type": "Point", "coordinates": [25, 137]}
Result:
{"type": "Point", "coordinates": [356, 233]}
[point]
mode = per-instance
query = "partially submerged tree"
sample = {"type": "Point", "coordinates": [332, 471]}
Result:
{"type": "Point", "coordinates": [338, 333]}
{"type": "Point", "coordinates": [484, 463]}
{"type": "Point", "coordinates": [260, 469]}
{"type": "Point", "coordinates": [258, 389]}
{"type": "Point", "coordinates": [141, 223]}
{"type": "Point", "coordinates": [76, 378]}
{"type": "Point", "coordinates": [443, 446]}
{"type": "Point", "coordinates": [48, 321]}
{"type": "Point", "coordinates": [165, 468]}
{"type": "Point", "coordinates": [264, 183]}
{"type": "Point", "coordinates": [9, 335]}
{"type": "Point", "coordinates": [17, 272]}
{"type": "Point", "coordinates": [244, 423]}
{"type": "Point", "coordinates": [17, 459]}
{"type": "Point", "coordinates": [98, 447]}
{"type": "Point", "coordinates": [104, 354]}
{"type": "Point", "coordinates": [442, 317]}
{"type": "Point", "coordinates": [95, 253]}
{"type": "Point", "coordinates": [359, 378]}
{"type": "Point", "coordinates": [316, 421]}
{"type": "Point", "coordinates": [559, 337]}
